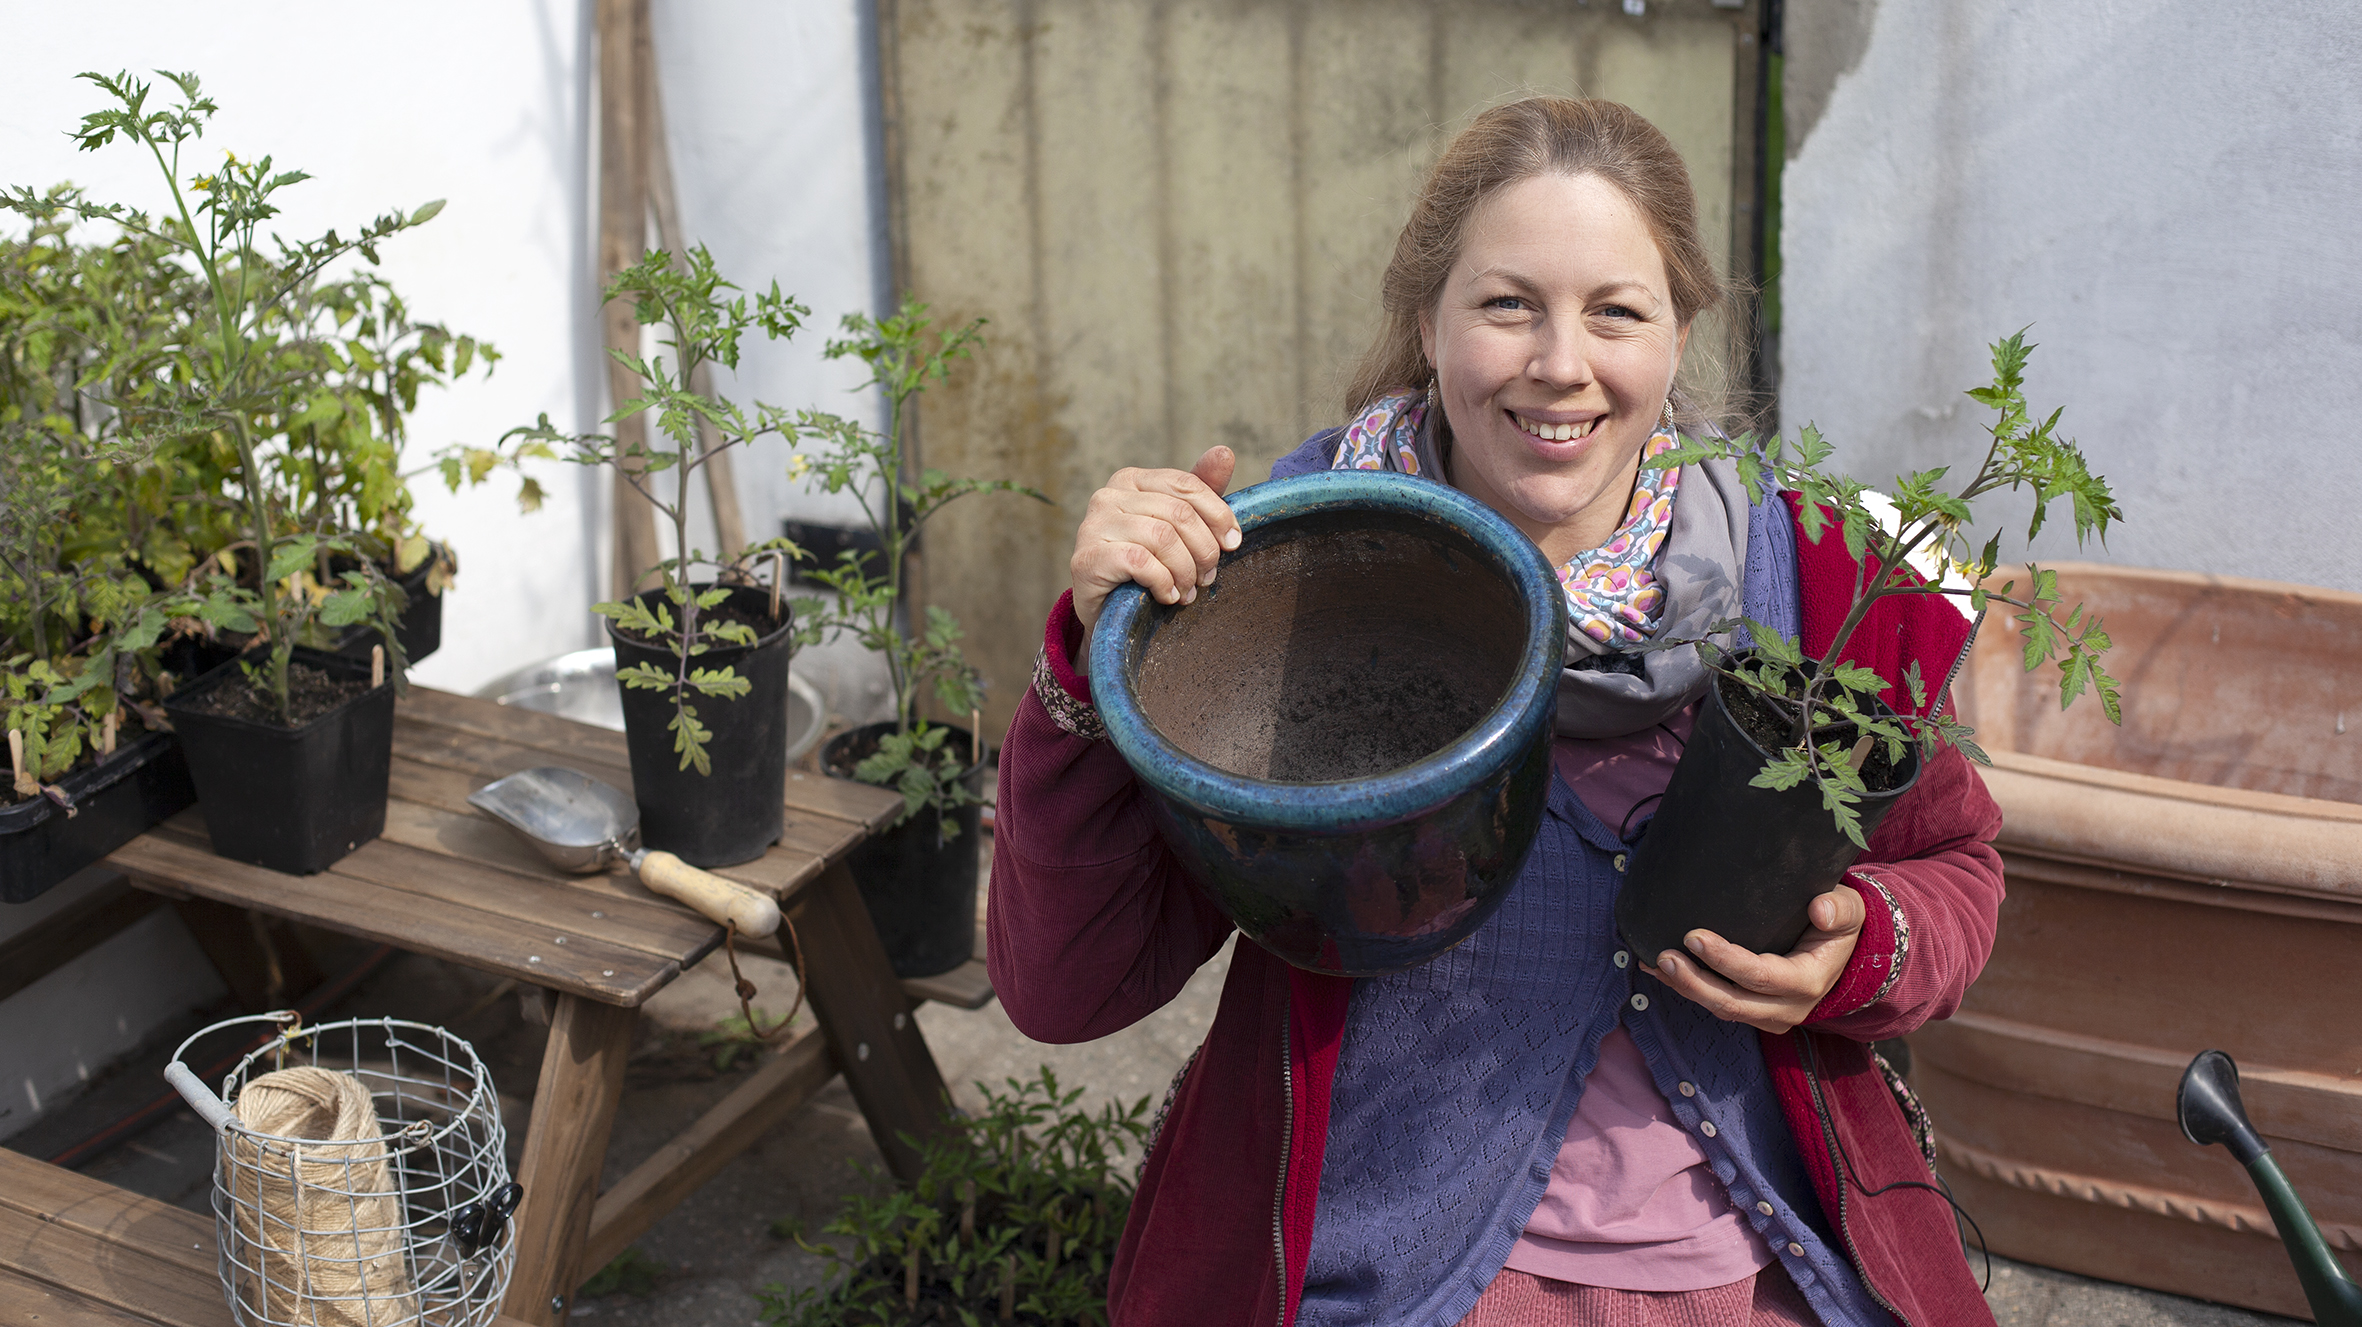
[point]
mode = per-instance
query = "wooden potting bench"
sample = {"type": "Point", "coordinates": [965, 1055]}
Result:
{"type": "Point", "coordinates": [447, 881]}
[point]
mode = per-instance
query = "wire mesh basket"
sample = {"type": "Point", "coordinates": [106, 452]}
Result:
{"type": "Point", "coordinates": [373, 1195]}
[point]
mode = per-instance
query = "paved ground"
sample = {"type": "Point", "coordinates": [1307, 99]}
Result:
{"type": "Point", "coordinates": [705, 1264]}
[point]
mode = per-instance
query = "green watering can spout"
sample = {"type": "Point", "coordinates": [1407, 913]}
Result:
{"type": "Point", "coordinates": [2209, 1109]}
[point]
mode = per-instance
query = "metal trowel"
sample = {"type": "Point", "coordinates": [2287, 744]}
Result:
{"type": "Point", "coordinates": [580, 824]}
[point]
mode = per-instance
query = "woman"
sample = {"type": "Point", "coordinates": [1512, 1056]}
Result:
{"type": "Point", "coordinates": [1537, 1127]}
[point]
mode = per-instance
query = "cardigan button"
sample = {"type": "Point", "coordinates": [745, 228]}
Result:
{"type": "Point", "coordinates": [1623, 958]}
{"type": "Point", "coordinates": [1623, 860]}
{"type": "Point", "coordinates": [1689, 1089]}
{"type": "Point", "coordinates": [1795, 1250]}
{"type": "Point", "coordinates": [1639, 1001]}
{"type": "Point", "coordinates": [1708, 1129]}
{"type": "Point", "coordinates": [1765, 1208]}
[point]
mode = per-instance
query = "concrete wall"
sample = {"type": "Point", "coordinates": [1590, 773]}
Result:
{"type": "Point", "coordinates": [2165, 189]}
{"type": "Point", "coordinates": [1176, 215]}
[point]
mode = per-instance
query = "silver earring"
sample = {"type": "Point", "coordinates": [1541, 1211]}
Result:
{"type": "Point", "coordinates": [1669, 425]}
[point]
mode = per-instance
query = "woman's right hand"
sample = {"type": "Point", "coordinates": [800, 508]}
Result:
{"type": "Point", "coordinates": [1165, 529]}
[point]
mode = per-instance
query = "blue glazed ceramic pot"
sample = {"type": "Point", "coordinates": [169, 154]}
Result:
{"type": "Point", "coordinates": [1346, 739]}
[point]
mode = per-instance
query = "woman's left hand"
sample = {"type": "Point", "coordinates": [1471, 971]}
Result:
{"type": "Point", "coordinates": [1763, 990]}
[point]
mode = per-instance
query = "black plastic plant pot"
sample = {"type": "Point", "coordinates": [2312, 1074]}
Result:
{"type": "Point", "coordinates": [143, 784]}
{"type": "Point", "coordinates": [421, 628]}
{"type": "Point", "coordinates": [1740, 861]}
{"type": "Point", "coordinates": [920, 889]}
{"type": "Point", "coordinates": [736, 812]}
{"type": "Point", "coordinates": [292, 799]}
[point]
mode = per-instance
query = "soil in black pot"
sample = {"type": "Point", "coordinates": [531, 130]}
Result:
{"type": "Point", "coordinates": [310, 694]}
{"type": "Point", "coordinates": [1771, 731]}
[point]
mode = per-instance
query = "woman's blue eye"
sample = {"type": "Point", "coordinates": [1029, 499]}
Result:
{"type": "Point", "coordinates": [1617, 311]}
{"type": "Point", "coordinates": [1513, 303]}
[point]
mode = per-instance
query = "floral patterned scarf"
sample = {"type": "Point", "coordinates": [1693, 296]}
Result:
{"type": "Point", "coordinates": [1612, 593]}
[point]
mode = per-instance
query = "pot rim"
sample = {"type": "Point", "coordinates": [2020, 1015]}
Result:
{"type": "Point", "coordinates": [177, 704]}
{"type": "Point", "coordinates": [831, 741]}
{"type": "Point", "coordinates": [1879, 708]}
{"type": "Point", "coordinates": [80, 785]}
{"type": "Point", "coordinates": [1494, 742]}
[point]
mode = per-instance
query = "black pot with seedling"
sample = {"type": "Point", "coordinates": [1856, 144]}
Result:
{"type": "Point", "coordinates": [918, 875]}
{"type": "Point", "coordinates": [1794, 760]}
{"type": "Point", "coordinates": [702, 662]}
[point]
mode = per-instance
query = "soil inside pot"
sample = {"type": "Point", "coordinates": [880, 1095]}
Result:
{"type": "Point", "coordinates": [310, 694]}
{"type": "Point", "coordinates": [763, 624]}
{"type": "Point", "coordinates": [1771, 730]}
{"type": "Point", "coordinates": [952, 757]}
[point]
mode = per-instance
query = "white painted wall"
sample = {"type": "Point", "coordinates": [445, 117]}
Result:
{"type": "Point", "coordinates": [2167, 190]}
{"type": "Point", "coordinates": [492, 108]}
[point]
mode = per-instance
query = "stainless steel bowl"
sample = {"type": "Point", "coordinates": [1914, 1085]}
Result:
{"type": "Point", "coordinates": [581, 686]}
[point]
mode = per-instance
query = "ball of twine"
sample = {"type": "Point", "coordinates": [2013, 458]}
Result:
{"type": "Point", "coordinates": [319, 1223]}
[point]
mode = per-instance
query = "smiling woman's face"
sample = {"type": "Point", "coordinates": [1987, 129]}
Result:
{"type": "Point", "coordinates": [1554, 343]}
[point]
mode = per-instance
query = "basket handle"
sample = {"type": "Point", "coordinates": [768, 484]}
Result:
{"type": "Point", "coordinates": [212, 1109]}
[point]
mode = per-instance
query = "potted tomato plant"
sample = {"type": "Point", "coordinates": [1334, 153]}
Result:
{"type": "Point", "coordinates": [919, 875]}
{"type": "Point", "coordinates": [702, 658]}
{"type": "Point", "coordinates": [1794, 760]}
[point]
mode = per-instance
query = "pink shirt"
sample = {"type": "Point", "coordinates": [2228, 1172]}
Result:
{"type": "Point", "coordinates": [1632, 1204]}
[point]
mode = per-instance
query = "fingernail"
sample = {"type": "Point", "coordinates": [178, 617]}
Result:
{"type": "Point", "coordinates": [1207, 578]}
{"type": "Point", "coordinates": [1230, 539]}
{"type": "Point", "coordinates": [1695, 943]}
{"type": "Point", "coordinates": [1668, 961]}
{"type": "Point", "coordinates": [1191, 596]}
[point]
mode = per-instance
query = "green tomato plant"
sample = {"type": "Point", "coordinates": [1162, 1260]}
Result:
{"type": "Point", "coordinates": [1818, 699]}
{"type": "Point", "coordinates": [1015, 1217]}
{"type": "Point", "coordinates": [905, 356]}
{"type": "Point", "coordinates": [272, 441]}
{"type": "Point", "coordinates": [701, 325]}
{"type": "Point", "coordinates": [84, 332]}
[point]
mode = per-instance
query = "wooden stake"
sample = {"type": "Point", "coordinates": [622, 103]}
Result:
{"type": "Point", "coordinates": [1009, 1288]}
{"type": "Point", "coordinates": [376, 666]}
{"type": "Point", "coordinates": [778, 580]}
{"type": "Point", "coordinates": [910, 1274]}
{"type": "Point", "coordinates": [26, 784]}
{"type": "Point", "coordinates": [1861, 751]}
{"type": "Point", "coordinates": [106, 733]}
{"type": "Point", "coordinates": [975, 737]}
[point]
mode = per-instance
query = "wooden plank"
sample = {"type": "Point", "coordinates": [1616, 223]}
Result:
{"type": "Point", "coordinates": [81, 927]}
{"type": "Point", "coordinates": [573, 1111]}
{"type": "Point", "coordinates": [179, 861]}
{"type": "Point", "coordinates": [27, 1301]}
{"type": "Point", "coordinates": [512, 723]}
{"type": "Point", "coordinates": [657, 1185]}
{"type": "Point", "coordinates": [491, 758]}
{"type": "Point", "coordinates": [99, 1210]}
{"type": "Point", "coordinates": [871, 808]}
{"type": "Point", "coordinates": [967, 986]}
{"type": "Point", "coordinates": [549, 906]}
{"type": "Point", "coordinates": [855, 996]}
{"type": "Point", "coordinates": [120, 1276]}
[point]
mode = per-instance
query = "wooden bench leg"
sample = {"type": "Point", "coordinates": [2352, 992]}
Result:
{"type": "Point", "coordinates": [573, 1111]}
{"type": "Point", "coordinates": [861, 1005]}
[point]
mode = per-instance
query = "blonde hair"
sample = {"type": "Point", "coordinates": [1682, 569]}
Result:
{"type": "Point", "coordinates": [1507, 144]}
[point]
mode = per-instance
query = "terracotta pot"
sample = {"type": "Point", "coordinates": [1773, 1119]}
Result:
{"type": "Point", "coordinates": [2190, 881]}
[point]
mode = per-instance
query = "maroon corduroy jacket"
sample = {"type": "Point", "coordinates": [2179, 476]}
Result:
{"type": "Point", "coordinates": [1093, 925]}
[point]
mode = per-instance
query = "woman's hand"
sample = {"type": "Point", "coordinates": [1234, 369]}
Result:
{"type": "Point", "coordinates": [1163, 528]}
{"type": "Point", "coordinates": [1761, 990]}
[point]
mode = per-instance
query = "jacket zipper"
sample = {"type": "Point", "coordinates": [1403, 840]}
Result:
{"type": "Point", "coordinates": [1279, 1194]}
{"type": "Point", "coordinates": [1845, 1232]}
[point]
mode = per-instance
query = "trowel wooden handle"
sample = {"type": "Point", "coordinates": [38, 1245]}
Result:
{"type": "Point", "coordinates": [725, 901]}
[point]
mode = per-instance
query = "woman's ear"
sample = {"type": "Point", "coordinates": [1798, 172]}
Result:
{"type": "Point", "coordinates": [1427, 338]}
